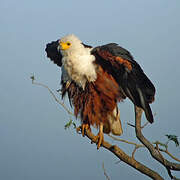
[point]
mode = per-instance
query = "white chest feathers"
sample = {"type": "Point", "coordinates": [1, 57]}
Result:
{"type": "Point", "coordinates": [80, 67]}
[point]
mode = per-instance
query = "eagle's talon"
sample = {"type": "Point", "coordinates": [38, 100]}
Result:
{"type": "Point", "coordinates": [83, 128]}
{"type": "Point", "coordinates": [99, 138]}
{"type": "Point", "coordinates": [78, 129]}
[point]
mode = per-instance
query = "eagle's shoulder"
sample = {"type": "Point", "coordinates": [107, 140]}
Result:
{"type": "Point", "coordinates": [115, 50]}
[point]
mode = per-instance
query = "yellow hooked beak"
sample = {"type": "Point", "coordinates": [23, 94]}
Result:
{"type": "Point", "coordinates": [65, 45]}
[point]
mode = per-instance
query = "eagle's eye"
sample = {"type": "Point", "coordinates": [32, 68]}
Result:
{"type": "Point", "coordinates": [68, 43]}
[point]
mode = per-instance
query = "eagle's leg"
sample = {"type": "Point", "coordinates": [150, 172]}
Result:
{"type": "Point", "coordinates": [100, 136]}
{"type": "Point", "coordinates": [83, 128]}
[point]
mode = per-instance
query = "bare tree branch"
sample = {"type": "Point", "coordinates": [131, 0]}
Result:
{"type": "Point", "coordinates": [141, 145]}
{"type": "Point", "coordinates": [154, 150]}
{"type": "Point", "coordinates": [125, 158]}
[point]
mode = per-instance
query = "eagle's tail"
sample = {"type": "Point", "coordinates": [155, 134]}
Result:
{"type": "Point", "coordinates": [146, 107]}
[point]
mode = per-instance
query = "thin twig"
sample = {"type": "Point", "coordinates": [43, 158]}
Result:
{"type": "Point", "coordinates": [131, 125]}
{"type": "Point", "coordinates": [125, 141]}
{"type": "Point", "coordinates": [104, 170]}
{"type": "Point", "coordinates": [169, 154]}
{"type": "Point", "coordinates": [55, 98]}
{"type": "Point", "coordinates": [143, 126]}
{"type": "Point", "coordinates": [136, 147]}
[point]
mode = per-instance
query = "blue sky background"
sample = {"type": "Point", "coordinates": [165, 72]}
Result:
{"type": "Point", "coordinates": [33, 142]}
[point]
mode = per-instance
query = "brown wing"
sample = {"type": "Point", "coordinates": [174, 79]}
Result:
{"type": "Point", "coordinates": [127, 72]}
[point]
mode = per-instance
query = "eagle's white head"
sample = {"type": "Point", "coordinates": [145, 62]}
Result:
{"type": "Point", "coordinates": [71, 44]}
{"type": "Point", "coordinates": [77, 60]}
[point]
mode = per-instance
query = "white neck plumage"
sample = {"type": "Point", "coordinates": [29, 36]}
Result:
{"type": "Point", "coordinates": [79, 65]}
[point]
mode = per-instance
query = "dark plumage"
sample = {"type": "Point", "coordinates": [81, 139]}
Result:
{"type": "Point", "coordinates": [53, 53]}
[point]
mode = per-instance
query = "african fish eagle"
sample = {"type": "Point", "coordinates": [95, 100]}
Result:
{"type": "Point", "coordinates": [96, 79]}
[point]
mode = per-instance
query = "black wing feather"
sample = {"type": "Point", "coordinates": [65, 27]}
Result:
{"type": "Point", "coordinates": [134, 83]}
{"type": "Point", "coordinates": [53, 53]}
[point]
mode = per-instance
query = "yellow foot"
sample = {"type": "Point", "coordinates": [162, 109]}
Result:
{"type": "Point", "coordinates": [82, 128]}
{"type": "Point", "coordinates": [99, 138]}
